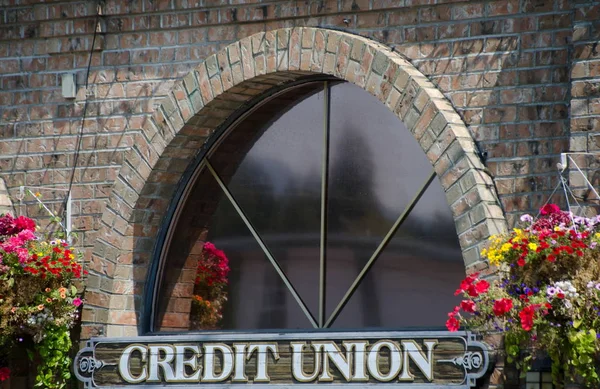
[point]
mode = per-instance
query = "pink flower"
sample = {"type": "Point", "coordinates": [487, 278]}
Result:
{"type": "Point", "coordinates": [209, 246]}
{"type": "Point", "coordinates": [77, 301]}
{"type": "Point", "coordinates": [11, 245]}
{"type": "Point", "coordinates": [23, 255]}
{"type": "Point", "coordinates": [26, 235]}
{"type": "Point", "coordinates": [549, 209]}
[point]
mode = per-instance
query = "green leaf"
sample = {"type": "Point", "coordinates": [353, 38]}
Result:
{"type": "Point", "coordinates": [576, 323]}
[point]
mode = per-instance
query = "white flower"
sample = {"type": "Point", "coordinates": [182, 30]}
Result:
{"type": "Point", "coordinates": [526, 218]}
{"type": "Point", "coordinates": [568, 304]}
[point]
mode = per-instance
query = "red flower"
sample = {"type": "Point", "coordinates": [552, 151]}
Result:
{"type": "Point", "coordinates": [466, 283]}
{"type": "Point", "coordinates": [467, 306]}
{"type": "Point", "coordinates": [521, 262]}
{"type": "Point", "coordinates": [452, 324]}
{"type": "Point", "coordinates": [527, 315]}
{"type": "Point", "coordinates": [472, 288]}
{"type": "Point", "coordinates": [551, 258]}
{"type": "Point", "coordinates": [4, 373]}
{"type": "Point", "coordinates": [502, 306]}
{"type": "Point", "coordinates": [549, 209]}
{"type": "Point", "coordinates": [482, 286]}
{"type": "Point", "coordinates": [24, 223]}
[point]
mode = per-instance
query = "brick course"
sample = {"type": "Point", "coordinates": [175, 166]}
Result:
{"type": "Point", "coordinates": [519, 77]}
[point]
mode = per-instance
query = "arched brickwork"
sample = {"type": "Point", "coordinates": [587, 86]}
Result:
{"type": "Point", "coordinates": [222, 85]}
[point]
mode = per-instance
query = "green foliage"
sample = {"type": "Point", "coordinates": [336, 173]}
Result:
{"type": "Point", "coordinates": [54, 368]}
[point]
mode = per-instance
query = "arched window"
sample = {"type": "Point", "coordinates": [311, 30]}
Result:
{"type": "Point", "coordinates": [329, 214]}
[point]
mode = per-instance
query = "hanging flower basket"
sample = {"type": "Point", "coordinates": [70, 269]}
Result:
{"type": "Point", "coordinates": [38, 299]}
{"type": "Point", "coordinates": [546, 299]}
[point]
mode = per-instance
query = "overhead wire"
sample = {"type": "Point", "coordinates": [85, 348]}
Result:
{"type": "Point", "coordinates": [85, 107]}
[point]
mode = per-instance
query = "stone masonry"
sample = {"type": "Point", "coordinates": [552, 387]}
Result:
{"type": "Point", "coordinates": [494, 90]}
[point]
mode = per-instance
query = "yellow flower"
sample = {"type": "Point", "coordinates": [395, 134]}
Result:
{"type": "Point", "coordinates": [40, 307]}
{"type": "Point", "coordinates": [557, 228]}
{"type": "Point", "coordinates": [518, 235]}
{"type": "Point", "coordinates": [532, 246]}
{"type": "Point", "coordinates": [506, 247]}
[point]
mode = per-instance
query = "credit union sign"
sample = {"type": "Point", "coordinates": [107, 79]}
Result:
{"type": "Point", "coordinates": [413, 359]}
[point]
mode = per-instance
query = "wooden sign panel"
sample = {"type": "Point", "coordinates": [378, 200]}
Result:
{"type": "Point", "coordinates": [416, 359]}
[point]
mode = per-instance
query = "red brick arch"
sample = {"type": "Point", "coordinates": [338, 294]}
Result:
{"type": "Point", "coordinates": [206, 97]}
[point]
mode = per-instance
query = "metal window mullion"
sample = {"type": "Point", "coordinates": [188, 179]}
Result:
{"type": "Point", "coordinates": [324, 184]}
{"type": "Point", "coordinates": [379, 249]}
{"type": "Point", "coordinates": [262, 245]}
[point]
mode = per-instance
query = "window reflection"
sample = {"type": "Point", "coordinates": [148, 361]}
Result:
{"type": "Point", "coordinates": [271, 162]}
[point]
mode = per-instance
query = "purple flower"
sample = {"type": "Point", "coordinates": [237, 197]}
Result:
{"type": "Point", "coordinates": [551, 291]}
{"type": "Point", "coordinates": [526, 218]}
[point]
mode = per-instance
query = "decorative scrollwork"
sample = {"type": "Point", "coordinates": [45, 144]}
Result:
{"type": "Point", "coordinates": [89, 365]}
{"type": "Point", "coordinates": [471, 360]}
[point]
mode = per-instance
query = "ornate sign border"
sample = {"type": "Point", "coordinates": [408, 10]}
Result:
{"type": "Point", "coordinates": [86, 364]}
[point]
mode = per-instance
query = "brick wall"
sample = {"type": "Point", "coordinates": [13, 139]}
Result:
{"type": "Point", "coordinates": [505, 65]}
{"type": "Point", "coordinates": [585, 102]}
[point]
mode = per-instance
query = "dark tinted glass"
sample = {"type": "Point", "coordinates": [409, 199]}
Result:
{"type": "Point", "coordinates": [376, 167]}
{"type": "Point", "coordinates": [278, 181]}
{"type": "Point", "coordinates": [413, 281]}
{"type": "Point", "coordinates": [271, 162]}
{"type": "Point", "coordinates": [254, 296]}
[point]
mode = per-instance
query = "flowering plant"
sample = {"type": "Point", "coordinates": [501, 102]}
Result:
{"type": "Point", "coordinates": [209, 289]}
{"type": "Point", "coordinates": [37, 297]}
{"type": "Point", "coordinates": [546, 297]}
